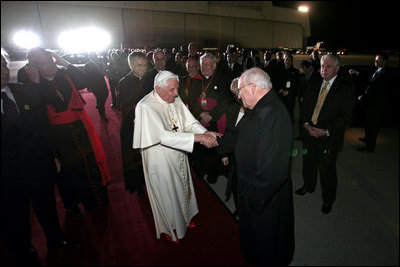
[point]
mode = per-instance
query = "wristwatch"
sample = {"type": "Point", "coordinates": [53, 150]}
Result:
{"type": "Point", "coordinates": [327, 132]}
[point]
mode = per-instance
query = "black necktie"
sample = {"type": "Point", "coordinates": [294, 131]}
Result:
{"type": "Point", "coordinates": [9, 107]}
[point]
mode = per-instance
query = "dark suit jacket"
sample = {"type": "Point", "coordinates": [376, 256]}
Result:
{"type": "Point", "coordinates": [336, 111]}
{"type": "Point", "coordinates": [96, 81]}
{"type": "Point", "coordinates": [26, 148]}
{"type": "Point", "coordinates": [149, 83]}
{"type": "Point", "coordinates": [129, 92]}
{"type": "Point", "coordinates": [227, 142]}
{"type": "Point", "coordinates": [377, 93]}
{"type": "Point", "coordinates": [236, 72]}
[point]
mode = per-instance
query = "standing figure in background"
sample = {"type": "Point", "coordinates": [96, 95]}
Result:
{"type": "Point", "coordinates": [192, 67]}
{"type": "Point", "coordinates": [130, 93]}
{"type": "Point", "coordinates": [234, 114]}
{"type": "Point", "coordinates": [209, 98]}
{"type": "Point", "coordinates": [290, 84]}
{"type": "Point", "coordinates": [95, 71]}
{"type": "Point", "coordinates": [326, 110]}
{"type": "Point", "coordinates": [114, 75]}
{"type": "Point", "coordinates": [375, 99]}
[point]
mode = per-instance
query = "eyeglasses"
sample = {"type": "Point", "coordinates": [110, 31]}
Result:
{"type": "Point", "coordinates": [240, 88]}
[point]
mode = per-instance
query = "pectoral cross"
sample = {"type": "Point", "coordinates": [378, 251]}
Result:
{"type": "Point", "coordinates": [175, 128]}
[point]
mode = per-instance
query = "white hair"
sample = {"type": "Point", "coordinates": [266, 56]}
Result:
{"type": "Point", "coordinates": [162, 77]}
{"type": "Point", "coordinates": [336, 58]}
{"type": "Point", "coordinates": [258, 77]}
{"type": "Point", "coordinates": [208, 55]}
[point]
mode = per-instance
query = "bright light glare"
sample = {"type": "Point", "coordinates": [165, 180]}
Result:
{"type": "Point", "coordinates": [26, 39]}
{"type": "Point", "coordinates": [303, 9]}
{"type": "Point", "coordinates": [84, 40]}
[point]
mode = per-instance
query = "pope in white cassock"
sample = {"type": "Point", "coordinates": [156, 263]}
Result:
{"type": "Point", "coordinates": [165, 131]}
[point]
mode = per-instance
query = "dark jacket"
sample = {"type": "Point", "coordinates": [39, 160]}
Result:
{"type": "Point", "coordinates": [337, 110]}
{"type": "Point", "coordinates": [262, 152]}
{"type": "Point", "coordinates": [26, 147]}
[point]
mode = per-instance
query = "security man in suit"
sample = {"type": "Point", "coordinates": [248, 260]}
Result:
{"type": "Point", "coordinates": [28, 172]}
{"type": "Point", "coordinates": [326, 110]}
{"type": "Point", "coordinates": [375, 98]}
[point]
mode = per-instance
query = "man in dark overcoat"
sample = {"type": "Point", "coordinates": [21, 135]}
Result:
{"type": "Point", "coordinates": [262, 153]}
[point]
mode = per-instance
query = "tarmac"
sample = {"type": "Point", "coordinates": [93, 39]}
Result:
{"type": "Point", "coordinates": [363, 226]}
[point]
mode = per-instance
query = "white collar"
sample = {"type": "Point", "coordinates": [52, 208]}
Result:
{"type": "Point", "coordinates": [158, 97]}
{"type": "Point", "coordinates": [6, 89]}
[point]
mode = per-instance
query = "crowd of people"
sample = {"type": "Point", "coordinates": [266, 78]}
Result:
{"type": "Point", "coordinates": [181, 111]}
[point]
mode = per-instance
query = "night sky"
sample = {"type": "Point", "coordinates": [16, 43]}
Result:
{"type": "Point", "coordinates": [353, 25]}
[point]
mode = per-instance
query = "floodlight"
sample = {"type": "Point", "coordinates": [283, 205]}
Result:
{"type": "Point", "coordinates": [26, 39]}
{"type": "Point", "coordinates": [84, 40]}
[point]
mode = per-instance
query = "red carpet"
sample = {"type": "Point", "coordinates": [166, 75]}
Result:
{"type": "Point", "coordinates": [124, 232]}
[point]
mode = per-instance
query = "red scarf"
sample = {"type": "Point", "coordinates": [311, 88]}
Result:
{"type": "Point", "coordinates": [76, 112]}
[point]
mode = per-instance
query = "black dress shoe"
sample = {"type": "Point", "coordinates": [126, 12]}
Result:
{"type": "Point", "coordinates": [104, 118]}
{"type": "Point", "coordinates": [301, 191]}
{"type": "Point", "coordinates": [212, 179]}
{"type": "Point", "coordinates": [362, 139]}
{"type": "Point", "coordinates": [28, 257]}
{"type": "Point", "coordinates": [68, 243]}
{"type": "Point", "coordinates": [115, 106]}
{"type": "Point", "coordinates": [366, 149]}
{"type": "Point", "coordinates": [62, 242]}
{"type": "Point", "coordinates": [74, 211]}
{"type": "Point", "coordinates": [326, 208]}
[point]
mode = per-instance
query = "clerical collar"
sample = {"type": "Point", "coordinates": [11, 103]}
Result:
{"type": "Point", "coordinates": [137, 76]}
{"type": "Point", "coordinates": [158, 97]}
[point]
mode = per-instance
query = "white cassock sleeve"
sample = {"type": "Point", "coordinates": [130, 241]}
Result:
{"type": "Point", "coordinates": [146, 133]}
{"type": "Point", "coordinates": [177, 140]}
{"type": "Point", "coordinates": [151, 126]}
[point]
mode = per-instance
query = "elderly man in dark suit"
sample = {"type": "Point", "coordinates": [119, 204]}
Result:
{"type": "Point", "coordinates": [326, 109]}
{"type": "Point", "coordinates": [262, 154]}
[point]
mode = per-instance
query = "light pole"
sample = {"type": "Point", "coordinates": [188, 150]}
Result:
{"type": "Point", "coordinates": [305, 11]}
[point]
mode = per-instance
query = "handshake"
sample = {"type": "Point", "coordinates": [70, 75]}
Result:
{"type": "Point", "coordinates": [208, 139]}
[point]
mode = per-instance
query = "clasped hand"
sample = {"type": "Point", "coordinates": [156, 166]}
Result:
{"type": "Point", "coordinates": [315, 132]}
{"type": "Point", "coordinates": [208, 139]}
{"type": "Point", "coordinates": [205, 117]}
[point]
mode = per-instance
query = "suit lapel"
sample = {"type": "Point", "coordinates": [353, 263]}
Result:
{"type": "Point", "coordinates": [18, 99]}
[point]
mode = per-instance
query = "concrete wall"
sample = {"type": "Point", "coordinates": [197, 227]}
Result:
{"type": "Point", "coordinates": [251, 24]}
